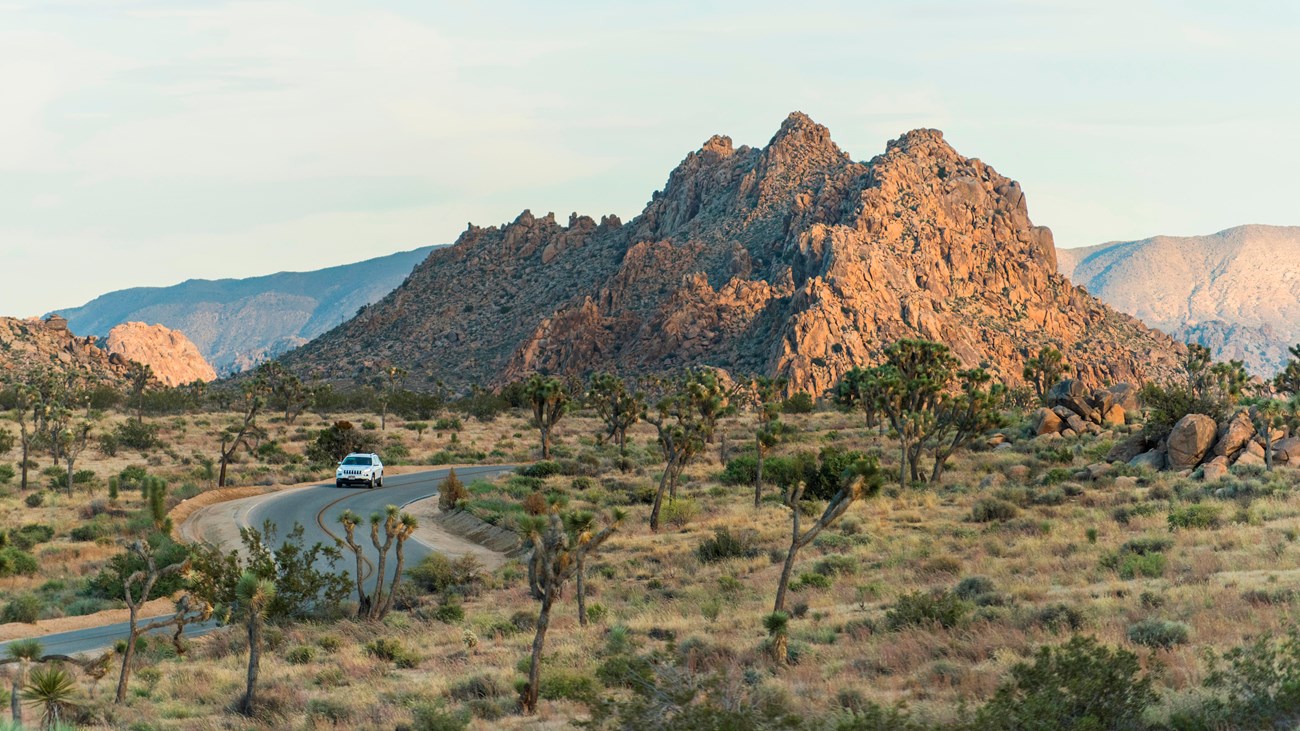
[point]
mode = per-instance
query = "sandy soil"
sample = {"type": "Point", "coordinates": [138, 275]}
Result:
{"type": "Point", "coordinates": [439, 539]}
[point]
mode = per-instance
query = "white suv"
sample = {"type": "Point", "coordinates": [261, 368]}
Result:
{"type": "Point", "coordinates": [361, 469]}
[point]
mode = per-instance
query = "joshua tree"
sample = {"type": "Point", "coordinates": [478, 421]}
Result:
{"type": "Point", "coordinates": [387, 386]}
{"type": "Point", "coordinates": [682, 435]}
{"type": "Point", "coordinates": [246, 434]}
{"type": "Point", "coordinates": [73, 440]}
{"type": "Point", "coordinates": [25, 403]}
{"type": "Point", "coordinates": [1044, 370]}
{"type": "Point", "coordinates": [24, 652]}
{"type": "Point", "coordinates": [581, 526]}
{"type": "Point", "coordinates": [397, 527]}
{"type": "Point", "coordinates": [253, 595]}
{"type": "Point", "coordinates": [618, 407]}
{"type": "Point", "coordinates": [1269, 414]}
{"type": "Point", "coordinates": [1287, 381]}
{"type": "Point", "coordinates": [766, 394]}
{"type": "Point", "coordinates": [138, 378]}
{"type": "Point", "coordinates": [859, 389]}
{"type": "Point", "coordinates": [861, 480]}
{"type": "Point", "coordinates": [561, 552]}
{"type": "Point", "coordinates": [964, 416]}
{"type": "Point", "coordinates": [52, 690]}
{"type": "Point", "coordinates": [777, 625]}
{"type": "Point", "coordinates": [188, 609]}
{"type": "Point", "coordinates": [285, 389]}
{"type": "Point", "coordinates": [550, 400]}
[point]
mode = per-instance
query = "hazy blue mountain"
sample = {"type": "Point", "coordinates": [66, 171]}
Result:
{"type": "Point", "coordinates": [237, 323]}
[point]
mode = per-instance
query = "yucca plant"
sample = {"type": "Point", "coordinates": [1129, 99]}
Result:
{"type": "Point", "coordinates": [25, 652]}
{"type": "Point", "coordinates": [52, 690]}
{"type": "Point", "coordinates": [253, 595]}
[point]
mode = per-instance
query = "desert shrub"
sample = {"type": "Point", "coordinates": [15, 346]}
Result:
{"type": "Point", "coordinates": [810, 580]}
{"type": "Point", "coordinates": [681, 511]}
{"type": "Point", "coordinates": [1194, 516]}
{"type": "Point", "coordinates": [335, 711]}
{"type": "Point", "coordinates": [477, 687]}
{"type": "Point", "coordinates": [34, 500]}
{"type": "Point", "coordinates": [16, 562]}
{"type": "Point", "coordinates": [927, 608]}
{"type": "Point", "coordinates": [989, 510]}
{"type": "Point", "coordinates": [438, 574]}
{"type": "Point", "coordinates": [92, 530]}
{"type": "Point", "coordinates": [434, 717]}
{"type": "Point", "coordinates": [1265, 597]}
{"type": "Point", "coordinates": [1060, 617]}
{"type": "Point", "coordinates": [338, 441]}
{"type": "Point", "coordinates": [451, 492]}
{"type": "Point", "coordinates": [799, 402]}
{"type": "Point", "coordinates": [1146, 545]}
{"type": "Point", "coordinates": [21, 608]}
{"type": "Point", "coordinates": [541, 469]}
{"type": "Point", "coordinates": [836, 565]}
{"type": "Point", "coordinates": [534, 503]}
{"type": "Point", "coordinates": [140, 436]}
{"type": "Point", "coordinates": [29, 535]}
{"type": "Point", "coordinates": [300, 655]}
{"type": "Point", "coordinates": [972, 587]}
{"type": "Point", "coordinates": [392, 650]}
{"type": "Point", "coordinates": [1256, 686]}
{"type": "Point", "coordinates": [824, 476]}
{"type": "Point", "coordinates": [560, 684]}
{"type": "Point", "coordinates": [741, 470]}
{"type": "Point", "coordinates": [7, 473]}
{"type": "Point", "coordinates": [1135, 565]}
{"type": "Point", "coordinates": [725, 545]}
{"type": "Point", "coordinates": [1078, 686]}
{"type": "Point", "coordinates": [1158, 633]}
{"type": "Point", "coordinates": [1168, 403]}
{"type": "Point", "coordinates": [864, 715]}
{"type": "Point", "coordinates": [394, 453]}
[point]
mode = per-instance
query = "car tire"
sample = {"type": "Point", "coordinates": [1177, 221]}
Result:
{"type": "Point", "coordinates": [338, 483]}
{"type": "Point", "coordinates": [372, 483]}
{"type": "Point", "coordinates": [381, 480]}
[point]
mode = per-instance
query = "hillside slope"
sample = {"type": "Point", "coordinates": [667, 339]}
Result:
{"type": "Point", "coordinates": [790, 259]}
{"type": "Point", "coordinates": [1236, 291]}
{"type": "Point", "coordinates": [237, 323]}
{"type": "Point", "coordinates": [27, 345]}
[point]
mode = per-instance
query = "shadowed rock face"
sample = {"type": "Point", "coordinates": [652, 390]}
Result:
{"type": "Point", "coordinates": [791, 260]}
{"type": "Point", "coordinates": [1236, 292]}
{"type": "Point", "coordinates": [174, 359]}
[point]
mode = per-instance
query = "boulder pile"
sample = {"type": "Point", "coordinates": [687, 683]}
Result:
{"type": "Point", "coordinates": [1073, 409]}
{"type": "Point", "coordinates": [1197, 441]}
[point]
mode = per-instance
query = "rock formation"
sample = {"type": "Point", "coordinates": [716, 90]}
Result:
{"type": "Point", "coordinates": [1236, 292]}
{"type": "Point", "coordinates": [30, 344]}
{"type": "Point", "coordinates": [790, 259]}
{"type": "Point", "coordinates": [174, 359]}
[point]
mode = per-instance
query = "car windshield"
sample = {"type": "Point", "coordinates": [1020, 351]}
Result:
{"type": "Point", "coordinates": [357, 460]}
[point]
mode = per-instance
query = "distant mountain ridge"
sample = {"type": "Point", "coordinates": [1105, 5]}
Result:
{"type": "Point", "coordinates": [790, 259]}
{"type": "Point", "coordinates": [1236, 291]}
{"type": "Point", "coordinates": [237, 323]}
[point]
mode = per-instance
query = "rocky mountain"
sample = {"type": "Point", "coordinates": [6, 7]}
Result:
{"type": "Point", "coordinates": [1237, 291]}
{"type": "Point", "coordinates": [237, 323]}
{"type": "Point", "coordinates": [174, 359]}
{"type": "Point", "coordinates": [27, 344]}
{"type": "Point", "coordinates": [790, 259]}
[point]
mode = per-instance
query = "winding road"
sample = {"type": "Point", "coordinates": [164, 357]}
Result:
{"type": "Point", "coordinates": [317, 508]}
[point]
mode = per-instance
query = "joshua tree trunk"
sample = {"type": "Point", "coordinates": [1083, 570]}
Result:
{"type": "Point", "coordinates": [580, 577]}
{"type": "Point", "coordinates": [659, 497]}
{"type": "Point", "coordinates": [15, 705]}
{"type": "Point", "coordinates": [254, 663]}
{"type": "Point", "coordinates": [546, 442]}
{"type": "Point", "coordinates": [535, 666]}
{"type": "Point", "coordinates": [127, 656]}
{"type": "Point", "coordinates": [758, 472]}
{"type": "Point", "coordinates": [788, 568]}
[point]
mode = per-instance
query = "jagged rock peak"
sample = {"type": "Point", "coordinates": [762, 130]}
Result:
{"type": "Point", "coordinates": [719, 145]}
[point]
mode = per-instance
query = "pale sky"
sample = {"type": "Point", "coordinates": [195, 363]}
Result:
{"type": "Point", "coordinates": [145, 143]}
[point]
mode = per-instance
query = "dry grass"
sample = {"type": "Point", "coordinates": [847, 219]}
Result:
{"type": "Point", "coordinates": [1227, 584]}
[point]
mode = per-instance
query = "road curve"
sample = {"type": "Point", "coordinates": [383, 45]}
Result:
{"type": "Point", "coordinates": [317, 508]}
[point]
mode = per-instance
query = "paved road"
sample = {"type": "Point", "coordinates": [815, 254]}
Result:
{"type": "Point", "coordinates": [317, 508]}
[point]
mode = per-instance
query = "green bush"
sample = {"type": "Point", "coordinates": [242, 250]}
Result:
{"type": "Point", "coordinates": [1158, 633]}
{"type": "Point", "coordinates": [799, 403]}
{"type": "Point", "coordinates": [558, 684]}
{"type": "Point", "coordinates": [1078, 686]}
{"type": "Point", "coordinates": [1146, 545]}
{"type": "Point", "coordinates": [434, 717]}
{"type": "Point", "coordinates": [1256, 686]}
{"type": "Point", "coordinates": [17, 562]}
{"type": "Point", "coordinates": [972, 587]}
{"type": "Point", "coordinates": [726, 545]}
{"type": "Point", "coordinates": [541, 469]}
{"type": "Point", "coordinates": [1195, 516]}
{"type": "Point", "coordinates": [34, 500]}
{"type": "Point", "coordinates": [438, 574]}
{"type": "Point", "coordinates": [300, 655]}
{"type": "Point", "coordinates": [1060, 617]}
{"type": "Point", "coordinates": [392, 650]}
{"type": "Point", "coordinates": [140, 436]}
{"type": "Point", "coordinates": [990, 510]}
{"type": "Point", "coordinates": [7, 473]}
{"type": "Point", "coordinates": [449, 612]}
{"type": "Point", "coordinates": [1135, 565]}
{"type": "Point", "coordinates": [22, 608]}
{"type": "Point", "coordinates": [681, 511]}
{"type": "Point", "coordinates": [927, 608]}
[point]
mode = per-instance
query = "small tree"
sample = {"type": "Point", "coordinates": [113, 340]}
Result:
{"type": "Point", "coordinates": [73, 440]}
{"type": "Point", "coordinates": [254, 597]}
{"type": "Point", "coordinates": [24, 408]}
{"type": "Point", "coordinates": [387, 386]}
{"type": "Point", "coordinates": [911, 383]}
{"type": "Point", "coordinates": [398, 527]}
{"type": "Point", "coordinates": [550, 400]}
{"type": "Point", "coordinates": [859, 389]}
{"type": "Point", "coordinates": [1044, 370]}
{"type": "Point", "coordinates": [561, 552]}
{"type": "Point", "coordinates": [581, 526]}
{"type": "Point", "coordinates": [139, 376]}
{"type": "Point", "coordinates": [246, 433]}
{"type": "Point", "coordinates": [766, 395]}
{"type": "Point", "coordinates": [452, 492]}
{"type": "Point", "coordinates": [682, 436]}
{"type": "Point", "coordinates": [1269, 414]}
{"type": "Point", "coordinates": [1287, 381]}
{"type": "Point", "coordinates": [617, 407]}
{"type": "Point", "coordinates": [861, 480]}
{"type": "Point", "coordinates": [285, 390]}
{"type": "Point", "coordinates": [137, 589]}
{"type": "Point", "coordinates": [964, 416]}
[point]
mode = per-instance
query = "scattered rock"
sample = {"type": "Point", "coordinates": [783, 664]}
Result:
{"type": "Point", "coordinates": [1287, 450]}
{"type": "Point", "coordinates": [1114, 416]}
{"type": "Point", "coordinates": [1233, 435]}
{"type": "Point", "coordinates": [1214, 469]}
{"type": "Point", "coordinates": [1046, 422]}
{"type": "Point", "coordinates": [1126, 450]}
{"type": "Point", "coordinates": [1073, 395]}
